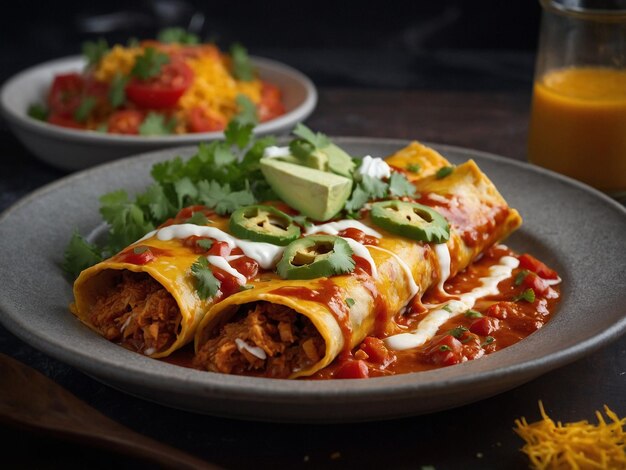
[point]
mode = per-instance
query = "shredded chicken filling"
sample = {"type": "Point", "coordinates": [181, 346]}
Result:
{"type": "Point", "coordinates": [138, 313]}
{"type": "Point", "coordinates": [263, 340]}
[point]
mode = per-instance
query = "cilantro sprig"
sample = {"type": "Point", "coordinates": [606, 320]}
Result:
{"type": "Point", "coordinates": [176, 35]}
{"type": "Point", "coordinates": [94, 51]}
{"type": "Point", "coordinates": [79, 255]}
{"type": "Point", "coordinates": [157, 124]}
{"type": "Point", "coordinates": [207, 285]}
{"type": "Point", "coordinates": [149, 64]}
{"type": "Point", "coordinates": [242, 65]}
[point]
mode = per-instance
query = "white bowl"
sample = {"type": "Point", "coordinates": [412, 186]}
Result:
{"type": "Point", "coordinates": [72, 149]}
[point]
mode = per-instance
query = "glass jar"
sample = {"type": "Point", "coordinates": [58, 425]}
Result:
{"type": "Point", "coordinates": [578, 117]}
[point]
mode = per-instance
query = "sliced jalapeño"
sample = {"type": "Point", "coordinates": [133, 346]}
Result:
{"type": "Point", "coordinates": [264, 224]}
{"type": "Point", "coordinates": [411, 220]}
{"type": "Point", "coordinates": [316, 256]}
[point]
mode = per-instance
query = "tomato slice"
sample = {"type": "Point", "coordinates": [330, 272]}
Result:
{"type": "Point", "coordinates": [64, 121]}
{"type": "Point", "coordinates": [271, 105]}
{"type": "Point", "coordinates": [126, 121]}
{"type": "Point", "coordinates": [164, 90]}
{"type": "Point", "coordinates": [202, 119]}
{"type": "Point", "coordinates": [531, 263]}
{"type": "Point", "coordinates": [65, 94]}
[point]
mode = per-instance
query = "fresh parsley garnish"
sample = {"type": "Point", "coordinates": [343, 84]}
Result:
{"type": "Point", "coordinates": [247, 114]}
{"type": "Point", "coordinates": [488, 340]}
{"type": "Point", "coordinates": [444, 347]}
{"type": "Point", "coordinates": [414, 167]}
{"type": "Point", "coordinates": [316, 139]}
{"type": "Point", "coordinates": [177, 36]}
{"type": "Point", "coordinates": [528, 295]}
{"type": "Point", "coordinates": [149, 64]}
{"type": "Point", "coordinates": [473, 314]}
{"type": "Point", "coordinates": [447, 308]}
{"type": "Point", "coordinates": [84, 108]}
{"type": "Point", "coordinates": [206, 283]}
{"type": "Point", "coordinates": [246, 287]}
{"type": "Point", "coordinates": [341, 260]}
{"type": "Point", "coordinates": [198, 218]}
{"type": "Point", "coordinates": [38, 111]}
{"type": "Point", "coordinates": [117, 90]}
{"type": "Point", "coordinates": [444, 171]}
{"type": "Point", "coordinates": [205, 243]}
{"type": "Point", "coordinates": [400, 186]}
{"type": "Point", "coordinates": [350, 302]}
{"type": "Point", "coordinates": [79, 255]}
{"type": "Point", "coordinates": [520, 276]}
{"type": "Point", "coordinates": [458, 332]}
{"type": "Point", "coordinates": [157, 124]}
{"type": "Point", "coordinates": [242, 65]}
{"type": "Point", "coordinates": [94, 51]}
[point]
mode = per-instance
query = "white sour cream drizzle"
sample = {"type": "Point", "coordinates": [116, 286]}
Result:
{"type": "Point", "coordinates": [220, 262]}
{"type": "Point", "coordinates": [266, 254]}
{"type": "Point", "coordinates": [443, 258]}
{"type": "Point", "coordinates": [254, 350]}
{"type": "Point", "coordinates": [413, 287]}
{"type": "Point", "coordinates": [333, 228]}
{"type": "Point", "coordinates": [276, 152]}
{"type": "Point", "coordinates": [374, 167]}
{"type": "Point", "coordinates": [428, 327]}
{"type": "Point", "coordinates": [362, 251]}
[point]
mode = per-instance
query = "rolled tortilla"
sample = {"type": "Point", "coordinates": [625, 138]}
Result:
{"type": "Point", "coordinates": [365, 304]}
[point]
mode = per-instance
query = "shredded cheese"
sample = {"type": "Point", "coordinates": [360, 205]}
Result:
{"type": "Point", "coordinates": [578, 445]}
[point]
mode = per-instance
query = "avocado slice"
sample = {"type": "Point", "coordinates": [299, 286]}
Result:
{"type": "Point", "coordinates": [317, 194]}
{"type": "Point", "coordinates": [339, 162]}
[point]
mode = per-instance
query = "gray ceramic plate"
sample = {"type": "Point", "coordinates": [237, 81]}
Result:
{"type": "Point", "coordinates": [570, 226]}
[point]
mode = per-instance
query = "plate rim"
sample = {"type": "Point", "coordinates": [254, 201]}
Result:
{"type": "Point", "coordinates": [237, 388]}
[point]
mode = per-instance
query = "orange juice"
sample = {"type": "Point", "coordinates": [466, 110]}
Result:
{"type": "Point", "coordinates": [578, 125]}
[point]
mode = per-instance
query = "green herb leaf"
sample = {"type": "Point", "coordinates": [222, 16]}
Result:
{"type": "Point", "coordinates": [222, 199]}
{"type": "Point", "coordinates": [38, 111]}
{"type": "Point", "coordinates": [473, 314]}
{"type": "Point", "coordinates": [132, 42]}
{"type": "Point", "coordinates": [376, 188]}
{"type": "Point", "coordinates": [79, 255]}
{"type": "Point", "coordinates": [205, 243]}
{"type": "Point", "coordinates": [444, 347]}
{"type": "Point", "coordinates": [157, 124]}
{"type": "Point", "coordinates": [149, 64]}
{"type": "Point", "coordinates": [357, 200]}
{"type": "Point", "coordinates": [488, 340]}
{"type": "Point", "coordinates": [400, 186]}
{"type": "Point", "coordinates": [185, 191]}
{"type": "Point", "coordinates": [350, 302]}
{"type": "Point", "coordinates": [247, 112]}
{"type": "Point", "coordinates": [126, 219]}
{"type": "Point", "coordinates": [458, 332]}
{"type": "Point", "coordinates": [84, 108]}
{"type": "Point", "coordinates": [520, 276]}
{"type": "Point", "coordinates": [158, 206]}
{"type": "Point", "coordinates": [198, 218]}
{"type": "Point", "coordinates": [414, 168]}
{"type": "Point", "coordinates": [177, 36]}
{"type": "Point", "coordinates": [140, 249]}
{"type": "Point", "coordinates": [447, 308]}
{"type": "Point", "coordinates": [206, 283]}
{"type": "Point", "coordinates": [242, 65]}
{"type": "Point", "coordinates": [528, 295]}
{"type": "Point", "coordinates": [94, 51]}
{"type": "Point", "coordinates": [117, 90]}
{"type": "Point", "coordinates": [246, 287]}
{"type": "Point", "coordinates": [341, 260]}
{"type": "Point", "coordinates": [318, 140]}
{"type": "Point", "coordinates": [238, 133]}
{"type": "Point", "coordinates": [444, 171]}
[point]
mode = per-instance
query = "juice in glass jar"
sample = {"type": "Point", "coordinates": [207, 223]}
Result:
{"type": "Point", "coordinates": [578, 125]}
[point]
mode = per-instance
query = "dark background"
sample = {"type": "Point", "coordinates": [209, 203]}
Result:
{"type": "Point", "coordinates": [457, 44]}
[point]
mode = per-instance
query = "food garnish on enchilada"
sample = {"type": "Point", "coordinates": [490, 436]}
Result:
{"type": "Point", "coordinates": [315, 264]}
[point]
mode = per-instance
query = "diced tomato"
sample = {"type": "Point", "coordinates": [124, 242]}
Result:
{"type": "Point", "coordinates": [484, 326]}
{"type": "Point", "coordinates": [358, 235]}
{"type": "Point", "coordinates": [271, 105]}
{"type": "Point", "coordinates": [65, 94]}
{"type": "Point", "coordinates": [352, 369]}
{"type": "Point", "coordinates": [246, 266]}
{"type": "Point", "coordinates": [63, 121]}
{"type": "Point", "coordinates": [229, 284]}
{"type": "Point", "coordinates": [132, 257]}
{"type": "Point", "coordinates": [189, 211]}
{"type": "Point", "coordinates": [536, 283]}
{"type": "Point", "coordinates": [219, 249]}
{"type": "Point", "coordinates": [202, 119]}
{"type": "Point", "coordinates": [531, 263]}
{"type": "Point", "coordinates": [377, 351]}
{"type": "Point", "coordinates": [126, 121]}
{"type": "Point", "coordinates": [447, 351]}
{"type": "Point", "coordinates": [164, 90]}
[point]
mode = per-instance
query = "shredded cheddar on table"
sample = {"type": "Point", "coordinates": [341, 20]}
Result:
{"type": "Point", "coordinates": [580, 445]}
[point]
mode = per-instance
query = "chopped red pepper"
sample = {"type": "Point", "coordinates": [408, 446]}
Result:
{"type": "Point", "coordinates": [531, 263]}
{"type": "Point", "coordinates": [484, 326]}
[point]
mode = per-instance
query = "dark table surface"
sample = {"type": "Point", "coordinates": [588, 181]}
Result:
{"type": "Point", "coordinates": [474, 436]}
